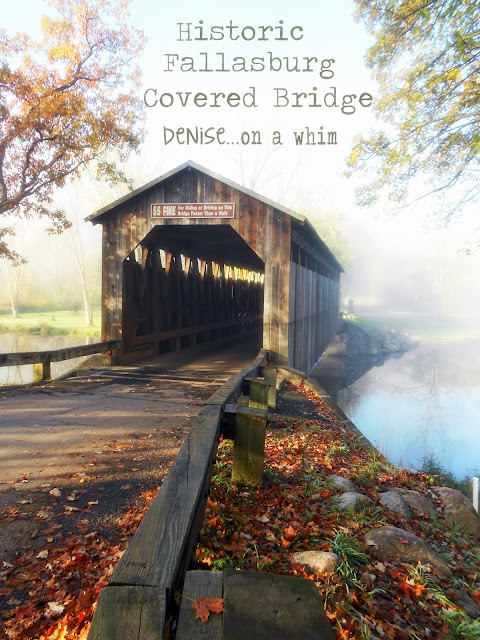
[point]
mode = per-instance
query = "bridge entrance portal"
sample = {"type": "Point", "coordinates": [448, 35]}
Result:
{"type": "Point", "coordinates": [183, 285]}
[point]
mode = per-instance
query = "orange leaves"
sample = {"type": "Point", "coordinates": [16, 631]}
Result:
{"type": "Point", "coordinates": [60, 586]}
{"type": "Point", "coordinates": [289, 532]}
{"type": "Point", "coordinates": [205, 606]}
{"type": "Point", "coordinates": [65, 100]}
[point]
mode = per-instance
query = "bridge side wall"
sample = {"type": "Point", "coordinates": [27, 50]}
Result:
{"type": "Point", "coordinates": [314, 305]}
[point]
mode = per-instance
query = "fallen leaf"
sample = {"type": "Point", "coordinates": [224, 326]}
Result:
{"type": "Point", "coordinates": [205, 606]}
{"type": "Point", "coordinates": [55, 492]}
{"type": "Point", "coordinates": [43, 554]}
{"type": "Point", "coordinates": [55, 607]}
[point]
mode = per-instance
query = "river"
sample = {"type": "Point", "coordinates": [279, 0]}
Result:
{"type": "Point", "coordinates": [423, 404]}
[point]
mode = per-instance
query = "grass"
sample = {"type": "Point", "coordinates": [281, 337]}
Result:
{"type": "Point", "coordinates": [440, 476]}
{"type": "Point", "coordinates": [351, 557]}
{"type": "Point", "coordinates": [50, 323]}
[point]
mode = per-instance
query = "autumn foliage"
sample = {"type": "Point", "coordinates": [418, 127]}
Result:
{"type": "Point", "coordinates": [297, 510]}
{"type": "Point", "coordinates": [66, 101]}
{"type": "Point", "coordinates": [52, 593]}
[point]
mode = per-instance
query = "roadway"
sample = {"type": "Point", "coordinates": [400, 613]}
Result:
{"type": "Point", "coordinates": [105, 435]}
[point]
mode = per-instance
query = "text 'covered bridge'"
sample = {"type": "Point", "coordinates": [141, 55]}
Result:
{"type": "Point", "coordinates": [192, 257]}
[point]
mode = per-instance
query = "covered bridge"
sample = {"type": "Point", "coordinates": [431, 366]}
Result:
{"type": "Point", "coordinates": [192, 257]}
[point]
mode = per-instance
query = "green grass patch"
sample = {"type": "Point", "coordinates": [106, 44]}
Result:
{"type": "Point", "coordinates": [50, 323]}
{"type": "Point", "coordinates": [423, 326]}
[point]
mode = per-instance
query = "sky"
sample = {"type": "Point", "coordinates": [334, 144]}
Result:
{"type": "Point", "coordinates": [321, 29]}
{"type": "Point", "coordinates": [260, 147]}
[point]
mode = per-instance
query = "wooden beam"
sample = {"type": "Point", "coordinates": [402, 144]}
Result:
{"type": "Point", "coordinates": [249, 448]}
{"type": "Point", "coordinates": [56, 355]}
{"type": "Point", "coordinates": [200, 584]}
{"type": "Point", "coordinates": [129, 613]}
{"type": "Point", "coordinates": [156, 555]}
{"type": "Point", "coordinates": [266, 606]}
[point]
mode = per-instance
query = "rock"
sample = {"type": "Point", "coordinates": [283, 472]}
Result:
{"type": "Point", "coordinates": [355, 501]}
{"type": "Point", "coordinates": [317, 561]}
{"type": "Point", "coordinates": [463, 600]}
{"type": "Point", "coordinates": [417, 502]}
{"type": "Point", "coordinates": [345, 484]}
{"type": "Point", "coordinates": [393, 541]}
{"type": "Point", "coordinates": [394, 501]}
{"type": "Point", "coordinates": [458, 508]}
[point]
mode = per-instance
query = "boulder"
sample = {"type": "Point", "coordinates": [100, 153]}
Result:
{"type": "Point", "coordinates": [417, 502]}
{"type": "Point", "coordinates": [463, 600]}
{"type": "Point", "coordinates": [393, 541]}
{"type": "Point", "coordinates": [394, 501]}
{"type": "Point", "coordinates": [458, 508]}
{"type": "Point", "coordinates": [344, 484]}
{"type": "Point", "coordinates": [317, 561]}
{"type": "Point", "coordinates": [355, 501]}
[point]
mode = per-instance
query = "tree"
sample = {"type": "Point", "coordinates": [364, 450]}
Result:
{"type": "Point", "coordinates": [89, 272]}
{"type": "Point", "coordinates": [426, 58]}
{"type": "Point", "coordinates": [66, 102]}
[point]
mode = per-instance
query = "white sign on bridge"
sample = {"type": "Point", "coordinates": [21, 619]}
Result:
{"type": "Point", "coordinates": [194, 210]}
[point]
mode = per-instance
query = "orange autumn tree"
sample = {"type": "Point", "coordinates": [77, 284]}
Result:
{"type": "Point", "coordinates": [67, 101]}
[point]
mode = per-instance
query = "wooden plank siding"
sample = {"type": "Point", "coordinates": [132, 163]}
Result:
{"type": "Point", "coordinates": [313, 316]}
{"type": "Point", "coordinates": [144, 302]}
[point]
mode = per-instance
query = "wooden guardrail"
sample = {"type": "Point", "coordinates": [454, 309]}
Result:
{"type": "Point", "coordinates": [139, 597]}
{"type": "Point", "coordinates": [45, 358]}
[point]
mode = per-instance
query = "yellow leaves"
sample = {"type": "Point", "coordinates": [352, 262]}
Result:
{"type": "Point", "coordinates": [67, 99]}
{"type": "Point", "coordinates": [63, 50]}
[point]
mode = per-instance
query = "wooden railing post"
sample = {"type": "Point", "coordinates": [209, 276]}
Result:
{"type": "Point", "coordinates": [249, 448]}
{"type": "Point", "coordinates": [42, 370]}
{"type": "Point", "coordinates": [270, 376]}
{"type": "Point", "coordinates": [258, 394]}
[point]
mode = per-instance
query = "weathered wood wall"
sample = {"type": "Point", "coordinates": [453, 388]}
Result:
{"type": "Point", "coordinates": [314, 305]}
{"type": "Point", "coordinates": [149, 305]}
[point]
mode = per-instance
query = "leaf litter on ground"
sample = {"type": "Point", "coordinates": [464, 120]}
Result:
{"type": "Point", "coordinates": [297, 509]}
{"type": "Point", "coordinates": [52, 596]}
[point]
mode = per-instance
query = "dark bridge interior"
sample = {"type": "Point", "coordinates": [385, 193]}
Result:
{"type": "Point", "coordinates": [189, 284]}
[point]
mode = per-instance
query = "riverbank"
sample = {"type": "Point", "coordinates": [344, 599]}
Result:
{"type": "Point", "coordinates": [421, 326]}
{"type": "Point", "coordinates": [49, 323]}
{"type": "Point", "coordinates": [390, 557]}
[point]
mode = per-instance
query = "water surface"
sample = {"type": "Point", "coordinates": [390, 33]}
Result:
{"type": "Point", "coordinates": [425, 403]}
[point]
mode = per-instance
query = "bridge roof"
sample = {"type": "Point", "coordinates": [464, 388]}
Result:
{"type": "Point", "coordinates": [301, 220]}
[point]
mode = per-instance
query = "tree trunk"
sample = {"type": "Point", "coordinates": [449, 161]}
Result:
{"type": "Point", "coordinates": [13, 287]}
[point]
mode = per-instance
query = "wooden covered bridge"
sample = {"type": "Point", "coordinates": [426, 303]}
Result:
{"type": "Point", "coordinates": [192, 257]}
